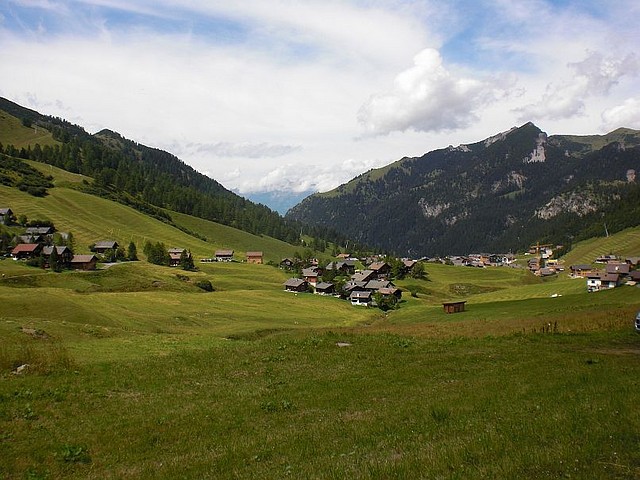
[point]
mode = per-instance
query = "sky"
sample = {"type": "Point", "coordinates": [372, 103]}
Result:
{"type": "Point", "coordinates": [300, 96]}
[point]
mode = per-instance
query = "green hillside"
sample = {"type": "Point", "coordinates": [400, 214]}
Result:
{"type": "Point", "coordinates": [92, 218]}
{"type": "Point", "coordinates": [12, 131]}
{"type": "Point", "coordinates": [623, 244]}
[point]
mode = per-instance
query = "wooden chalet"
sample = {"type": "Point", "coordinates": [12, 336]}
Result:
{"type": "Point", "coordinates": [24, 251]}
{"type": "Point", "coordinates": [104, 245]}
{"type": "Point", "coordinates": [63, 252]}
{"type": "Point", "coordinates": [381, 269]}
{"type": "Point", "coordinates": [255, 257]}
{"type": "Point", "coordinates": [325, 288]}
{"type": "Point", "coordinates": [224, 255]}
{"type": "Point", "coordinates": [84, 262]}
{"type": "Point", "coordinates": [346, 267]}
{"type": "Point", "coordinates": [296, 285]}
{"type": "Point", "coordinates": [311, 275]}
{"type": "Point", "coordinates": [6, 214]}
{"type": "Point", "coordinates": [388, 291]}
{"type": "Point", "coordinates": [175, 254]}
{"type": "Point", "coordinates": [454, 307]}
{"type": "Point", "coordinates": [287, 263]}
{"type": "Point", "coordinates": [619, 268]}
{"type": "Point", "coordinates": [39, 231]}
{"type": "Point", "coordinates": [364, 276]}
{"type": "Point", "coordinates": [581, 270]}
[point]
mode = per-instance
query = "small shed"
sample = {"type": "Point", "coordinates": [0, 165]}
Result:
{"type": "Point", "coordinates": [454, 307]}
{"type": "Point", "coordinates": [84, 262]}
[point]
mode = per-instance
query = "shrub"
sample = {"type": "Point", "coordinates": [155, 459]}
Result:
{"type": "Point", "coordinates": [205, 285]}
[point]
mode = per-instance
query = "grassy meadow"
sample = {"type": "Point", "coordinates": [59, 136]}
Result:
{"type": "Point", "coordinates": [133, 371]}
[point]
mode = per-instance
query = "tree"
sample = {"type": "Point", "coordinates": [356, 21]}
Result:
{"type": "Point", "coordinates": [418, 271]}
{"type": "Point", "coordinates": [132, 252]}
{"type": "Point", "coordinates": [385, 302]}
{"type": "Point", "coordinates": [186, 261]}
{"type": "Point", "coordinates": [54, 263]}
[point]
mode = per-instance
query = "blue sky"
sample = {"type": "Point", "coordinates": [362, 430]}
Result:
{"type": "Point", "coordinates": [297, 96]}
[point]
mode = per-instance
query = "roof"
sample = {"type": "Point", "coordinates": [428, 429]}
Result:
{"type": "Point", "coordinates": [105, 244]}
{"type": "Point", "coordinates": [254, 254]}
{"type": "Point", "coordinates": [176, 250]}
{"type": "Point", "coordinates": [4, 211]}
{"type": "Point", "coordinates": [360, 294]}
{"type": "Point", "coordinates": [224, 253]}
{"type": "Point", "coordinates": [362, 276]}
{"type": "Point", "coordinates": [388, 291]}
{"type": "Point", "coordinates": [324, 286]}
{"type": "Point", "coordinates": [294, 282]}
{"type": "Point", "coordinates": [40, 230]}
{"type": "Point", "coordinates": [605, 277]}
{"type": "Point", "coordinates": [454, 303]}
{"type": "Point", "coordinates": [375, 266]}
{"type": "Point", "coordinates": [581, 267]}
{"type": "Point", "coordinates": [378, 284]}
{"type": "Point", "coordinates": [26, 248]}
{"type": "Point", "coordinates": [310, 272]}
{"type": "Point", "coordinates": [59, 250]}
{"type": "Point", "coordinates": [83, 258]}
{"type": "Point", "coordinates": [618, 268]}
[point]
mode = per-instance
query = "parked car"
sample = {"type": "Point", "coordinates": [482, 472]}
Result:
{"type": "Point", "coordinates": [638, 322]}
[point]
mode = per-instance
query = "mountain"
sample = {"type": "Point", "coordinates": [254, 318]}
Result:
{"type": "Point", "coordinates": [503, 193]}
{"type": "Point", "coordinates": [146, 178]}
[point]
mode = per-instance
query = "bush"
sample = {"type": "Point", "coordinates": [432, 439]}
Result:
{"type": "Point", "coordinates": [205, 285]}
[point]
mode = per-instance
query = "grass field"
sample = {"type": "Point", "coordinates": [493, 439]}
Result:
{"type": "Point", "coordinates": [13, 132]}
{"type": "Point", "coordinates": [135, 372]}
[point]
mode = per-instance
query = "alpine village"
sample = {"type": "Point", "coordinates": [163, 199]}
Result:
{"type": "Point", "coordinates": [464, 314]}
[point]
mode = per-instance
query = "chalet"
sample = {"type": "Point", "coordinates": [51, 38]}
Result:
{"type": "Point", "coordinates": [104, 245]}
{"type": "Point", "coordinates": [26, 250]}
{"type": "Point", "coordinates": [175, 254]}
{"type": "Point", "coordinates": [255, 257]}
{"type": "Point", "coordinates": [325, 288]}
{"type": "Point", "coordinates": [352, 286]}
{"type": "Point", "coordinates": [364, 276]}
{"type": "Point", "coordinates": [296, 285]}
{"type": "Point", "coordinates": [454, 307]}
{"type": "Point", "coordinates": [311, 275]}
{"type": "Point", "coordinates": [375, 285]}
{"type": "Point", "coordinates": [546, 272]}
{"type": "Point", "coordinates": [64, 254]}
{"type": "Point", "coordinates": [362, 298]}
{"type": "Point", "coordinates": [6, 216]}
{"type": "Point", "coordinates": [287, 263]}
{"type": "Point", "coordinates": [30, 239]}
{"type": "Point", "coordinates": [39, 231]}
{"type": "Point", "coordinates": [619, 268]}
{"type": "Point", "coordinates": [347, 267]}
{"type": "Point", "coordinates": [224, 255]}
{"type": "Point", "coordinates": [388, 291]}
{"type": "Point", "coordinates": [581, 270]}
{"type": "Point", "coordinates": [84, 262]}
{"type": "Point", "coordinates": [635, 275]}
{"type": "Point", "coordinates": [409, 264]}
{"type": "Point", "coordinates": [381, 269]}
{"type": "Point", "coordinates": [602, 281]}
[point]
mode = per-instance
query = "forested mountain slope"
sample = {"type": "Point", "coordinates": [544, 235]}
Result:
{"type": "Point", "coordinates": [500, 194]}
{"type": "Point", "coordinates": [148, 176]}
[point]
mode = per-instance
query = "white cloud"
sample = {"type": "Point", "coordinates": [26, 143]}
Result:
{"type": "Point", "coordinates": [248, 150]}
{"type": "Point", "coordinates": [625, 115]}
{"type": "Point", "coordinates": [596, 75]}
{"type": "Point", "coordinates": [427, 97]}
